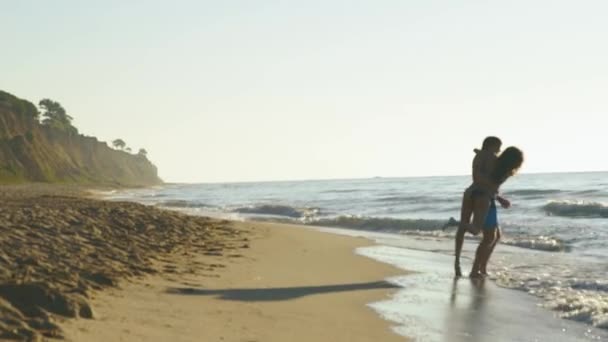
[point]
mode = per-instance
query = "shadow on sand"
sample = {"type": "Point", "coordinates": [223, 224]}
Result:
{"type": "Point", "coordinates": [278, 293]}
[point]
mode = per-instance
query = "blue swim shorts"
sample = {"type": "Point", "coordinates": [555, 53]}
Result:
{"type": "Point", "coordinates": [491, 221]}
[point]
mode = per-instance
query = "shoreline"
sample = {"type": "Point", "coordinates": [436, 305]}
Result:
{"type": "Point", "coordinates": [293, 283]}
{"type": "Point", "coordinates": [416, 323]}
{"type": "Point", "coordinates": [142, 272]}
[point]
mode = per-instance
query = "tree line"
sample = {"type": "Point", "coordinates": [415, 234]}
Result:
{"type": "Point", "coordinates": [52, 114]}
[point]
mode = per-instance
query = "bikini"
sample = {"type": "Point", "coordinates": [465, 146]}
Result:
{"type": "Point", "coordinates": [491, 221]}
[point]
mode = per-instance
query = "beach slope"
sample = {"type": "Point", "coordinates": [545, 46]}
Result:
{"type": "Point", "coordinates": [291, 284]}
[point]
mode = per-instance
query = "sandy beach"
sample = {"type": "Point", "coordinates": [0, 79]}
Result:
{"type": "Point", "coordinates": [59, 248]}
{"type": "Point", "coordinates": [77, 268]}
{"type": "Point", "coordinates": [84, 269]}
{"type": "Point", "coordinates": [292, 284]}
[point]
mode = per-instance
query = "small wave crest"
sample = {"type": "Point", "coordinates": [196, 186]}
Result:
{"type": "Point", "coordinates": [341, 191]}
{"type": "Point", "coordinates": [533, 192]}
{"type": "Point", "coordinates": [576, 209]}
{"type": "Point", "coordinates": [279, 210]}
{"type": "Point", "coordinates": [587, 192]}
{"type": "Point", "coordinates": [401, 199]}
{"type": "Point", "coordinates": [379, 223]}
{"type": "Point", "coordinates": [417, 199]}
{"type": "Point", "coordinates": [542, 243]}
{"type": "Point", "coordinates": [158, 195]}
{"type": "Point", "coordinates": [183, 204]}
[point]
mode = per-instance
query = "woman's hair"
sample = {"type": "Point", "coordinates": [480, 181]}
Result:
{"type": "Point", "coordinates": [507, 164]}
{"type": "Point", "coordinates": [490, 141]}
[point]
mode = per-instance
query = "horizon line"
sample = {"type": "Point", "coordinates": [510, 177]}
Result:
{"type": "Point", "coordinates": [368, 178]}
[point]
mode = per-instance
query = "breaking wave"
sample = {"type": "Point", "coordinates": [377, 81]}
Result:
{"type": "Point", "coordinates": [576, 209]}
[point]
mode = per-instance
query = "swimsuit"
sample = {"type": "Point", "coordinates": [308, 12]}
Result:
{"type": "Point", "coordinates": [491, 221]}
{"type": "Point", "coordinates": [476, 190]}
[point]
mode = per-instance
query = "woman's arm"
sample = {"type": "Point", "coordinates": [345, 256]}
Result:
{"type": "Point", "coordinates": [505, 203]}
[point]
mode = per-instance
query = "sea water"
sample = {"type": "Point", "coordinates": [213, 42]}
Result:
{"type": "Point", "coordinates": [555, 235]}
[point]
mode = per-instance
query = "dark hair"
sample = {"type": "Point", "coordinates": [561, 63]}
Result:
{"type": "Point", "coordinates": [507, 164]}
{"type": "Point", "coordinates": [490, 141]}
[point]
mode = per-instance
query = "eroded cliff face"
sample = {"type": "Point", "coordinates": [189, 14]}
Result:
{"type": "Point", "coordinates": [32, 152]}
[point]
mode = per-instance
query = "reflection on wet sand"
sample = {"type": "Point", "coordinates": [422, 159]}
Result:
{"type": "Point", "coordinates": [465, 318]}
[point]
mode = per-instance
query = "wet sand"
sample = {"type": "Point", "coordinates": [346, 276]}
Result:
{"type": "Point", "coordinates": [434, 306]}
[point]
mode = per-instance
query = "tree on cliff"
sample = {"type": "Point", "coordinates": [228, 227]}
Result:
{"type": "Point", "coordinates": [119, 143]}
{"type": "Point", "coordinates": [18, 105]}
{"type": "Point", "coordinates": [54, 115]}
{"type": "Point", "coordinates": [142, 152]}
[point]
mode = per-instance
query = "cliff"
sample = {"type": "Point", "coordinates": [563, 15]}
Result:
{"type": "Point", "coordinates": [34, 152]}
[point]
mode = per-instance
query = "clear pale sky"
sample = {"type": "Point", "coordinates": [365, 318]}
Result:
{"type": "Point", "coordinates": [272, 90]}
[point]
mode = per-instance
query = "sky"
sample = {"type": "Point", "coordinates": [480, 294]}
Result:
{"type": "Point", "coordinates": [223, 91]}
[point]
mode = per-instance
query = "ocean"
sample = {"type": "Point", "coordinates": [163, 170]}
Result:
{"type": "Point", "coordinates": [555, 235]}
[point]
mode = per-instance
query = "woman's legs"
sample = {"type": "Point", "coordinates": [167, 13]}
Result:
{"type": "Point", "coordinates": [484, 263]}
{"type": "Point", "coordinates": [466, 210]}
{"type": "Point", "coordinates": [483, 250]}
{"type": "Point", "coordinates": [477, 205]}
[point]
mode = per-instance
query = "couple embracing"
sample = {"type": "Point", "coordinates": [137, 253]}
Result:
{"type": "Point", "coordinates": [478, 211]}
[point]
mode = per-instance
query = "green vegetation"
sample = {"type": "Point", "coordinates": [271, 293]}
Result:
{"type": "Point", "coordinates": [119, 144]}
{"type": "Point", "coordinates": [143, 153]}
{"type": "Point", "coordinates": [46, 147]}
{"type": "Point", "coordinates": [54, 115]}
{"type": "Point", "coordinates": [21, 107]}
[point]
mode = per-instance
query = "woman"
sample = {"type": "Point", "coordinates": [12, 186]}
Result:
{"type": "Point", "coordinates": [506, 166]}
